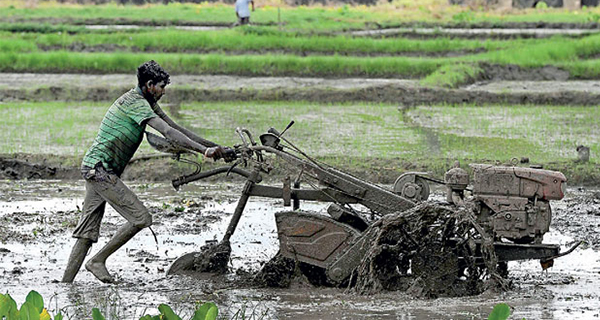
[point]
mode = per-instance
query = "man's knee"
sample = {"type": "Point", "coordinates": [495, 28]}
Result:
{"type": "Point", "coordinates": [144, 221]}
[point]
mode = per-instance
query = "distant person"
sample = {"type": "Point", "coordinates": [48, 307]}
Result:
{"type": "Point", "coordinates": [120, 134]}
{"type": "Point", "coordinates": [242, 11]}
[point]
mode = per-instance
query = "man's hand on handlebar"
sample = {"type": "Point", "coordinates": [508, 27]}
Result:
{"type": "Point", "coordinates": [218, 152]}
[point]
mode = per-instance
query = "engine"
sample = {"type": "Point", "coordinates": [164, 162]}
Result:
{"type": "Point", "coordinates": [512, 202]}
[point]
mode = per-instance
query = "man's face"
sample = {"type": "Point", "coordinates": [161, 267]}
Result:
{"type": "Point", "coordinates": [157, 90]}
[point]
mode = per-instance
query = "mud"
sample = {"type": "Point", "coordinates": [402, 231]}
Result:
{"type": "Point", "coordinates": [20, 167]}
{"type": "Point", "coordinates": [548, 86]}
{"type": "Point", "coordinates": [496, 25]}
{"type": "Point", "coordinates": [582, 217]}
{"type": "Point", "coordinates": [40, 214]}
{"type": "Point", "coordinates": [511, 72]}
{"type": "Point", "coordinates": [78, 87]}
{"type": "Point", "coordinates": [473, 33]}
{"type": "Point", "coordinates": [408, 253]}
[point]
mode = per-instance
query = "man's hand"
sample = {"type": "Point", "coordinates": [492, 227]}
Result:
{"type": "Point", "coordinates": [219, 152]}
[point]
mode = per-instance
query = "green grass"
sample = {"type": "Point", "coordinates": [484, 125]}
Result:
{"type": "Point", "coordinates": [294, 18]}
{"type": "Point", "coordinates": [20, 53]}
{"type": "Point", "coordinates": [452, 75]}
{"type": "Point", "coordinates": [298, 18]}
{"type": "Point", "coordinates": [255, 65]}
{"type": "Point", "coordinates": [251, 39]}
{"type": "Point", "coordinates": [51, 128]}
{"type": "Point", "coordinates": [359, 131]}
{"type": "Point", "coordinates": [542, 133]}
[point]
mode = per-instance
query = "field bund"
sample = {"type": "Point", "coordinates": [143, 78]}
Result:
{"type": "Point", "coordinates": [190, 88]}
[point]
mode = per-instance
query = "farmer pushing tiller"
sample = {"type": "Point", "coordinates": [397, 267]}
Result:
{"type": "Point", "coordinates": [120, 134]}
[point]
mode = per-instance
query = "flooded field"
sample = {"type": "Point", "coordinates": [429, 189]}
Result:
{"type": "Point", "coordinates": [37, 218]}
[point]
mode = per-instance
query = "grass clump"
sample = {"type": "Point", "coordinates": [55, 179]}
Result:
{"type": "Point", "coordinates": [453, 75]}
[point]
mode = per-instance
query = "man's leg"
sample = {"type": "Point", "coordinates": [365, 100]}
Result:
{"type": "Point", "coordinates": [125, 202]}
{"type": "Point", "coordinates": [86, 232]}
{"type": "Point", "coordinates": [78, 253]}
{"type": "Point", "coordinates": [97, 264]}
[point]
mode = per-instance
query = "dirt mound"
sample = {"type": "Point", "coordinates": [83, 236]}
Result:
{"type": "Point", "coordinates": [277, 272]}
{"type": "Point", "coordinates": [429, 251]}
{"type": "Point", "coordinates": [511, 72]}
{"type": "Point", "coordinates": [18, 169]}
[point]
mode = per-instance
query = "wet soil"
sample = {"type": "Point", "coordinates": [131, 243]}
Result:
{"type": "Point", "coordinates": [41, 215]}
{"type": "Point", "coordinates": [511, 72]}
{"type": "Point", "coordinates": [159, 168]}
{"type": "Point", "coordinates": [492, 89]}
{"type": "Point", "coordinates": [473, 33]}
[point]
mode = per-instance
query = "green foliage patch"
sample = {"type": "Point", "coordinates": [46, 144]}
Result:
{"type": "Point", "coordinates": [33, 309]}
{"type": "Point", "coordinates": [342, 131]}
{"type": "Point", "coordinates": [453, 75]}
{"type": "Point", "coordinates": [247, 39]}
{"type": "Point", "coordinates": [254, 65]}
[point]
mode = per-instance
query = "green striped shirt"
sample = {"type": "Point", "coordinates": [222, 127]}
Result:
{"type": "Point", "coordinates": [120, 133]}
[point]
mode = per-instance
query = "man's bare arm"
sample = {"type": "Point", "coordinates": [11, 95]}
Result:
{"type": "Point", "coordinates": [174, 135]}
{"type": "Point", "coordinates": [194, 137]}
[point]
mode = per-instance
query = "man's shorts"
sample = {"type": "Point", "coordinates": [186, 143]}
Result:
{"type": "Point", "coordinates": [102, 187]}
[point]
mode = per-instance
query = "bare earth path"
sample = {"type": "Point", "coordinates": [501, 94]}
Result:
{"type": "Point", "coordinates": [80, 87]}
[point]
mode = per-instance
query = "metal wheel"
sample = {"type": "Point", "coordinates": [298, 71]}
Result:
{"type": "Point", "coordinates": [412, 187]}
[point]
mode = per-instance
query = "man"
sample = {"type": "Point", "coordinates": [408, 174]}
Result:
{"type": "Point", "coordinates": [120, 134]}
{"type": "Point", "coordinates": [242, 11]}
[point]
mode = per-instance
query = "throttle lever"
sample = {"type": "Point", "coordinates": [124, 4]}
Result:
{"type": "Point", "coordinates": [286, 128]}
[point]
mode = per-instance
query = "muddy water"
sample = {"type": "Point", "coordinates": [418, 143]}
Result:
{"type": "Point", "coordinates": [37, 217]}
{"type": "Point", "coordinates": [28, 80]}
{"type": "Point", "coordinates": [487, 32]}
{"type": "Point", "coordinates": [526, 84]}
{"type": "Point", "coordinates": [521, 32]}
{"type": "Point", "coordinates": [589, 86]}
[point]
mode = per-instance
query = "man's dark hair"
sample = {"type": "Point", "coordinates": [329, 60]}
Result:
{"type": "Point", "coordinates": [151, 70]}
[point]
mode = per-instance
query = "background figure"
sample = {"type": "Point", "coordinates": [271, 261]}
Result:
{"type": "Point", "coordinates": [242, 11]}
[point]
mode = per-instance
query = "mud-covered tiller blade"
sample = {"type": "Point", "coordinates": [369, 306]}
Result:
{"type": "Point", "coordinates": [212, 259]}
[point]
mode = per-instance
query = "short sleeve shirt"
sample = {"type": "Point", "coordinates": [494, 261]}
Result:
{"type": "Point", "coordinates": [242, 9]}
{"type": "Point", "coordinates": [121, 132]}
